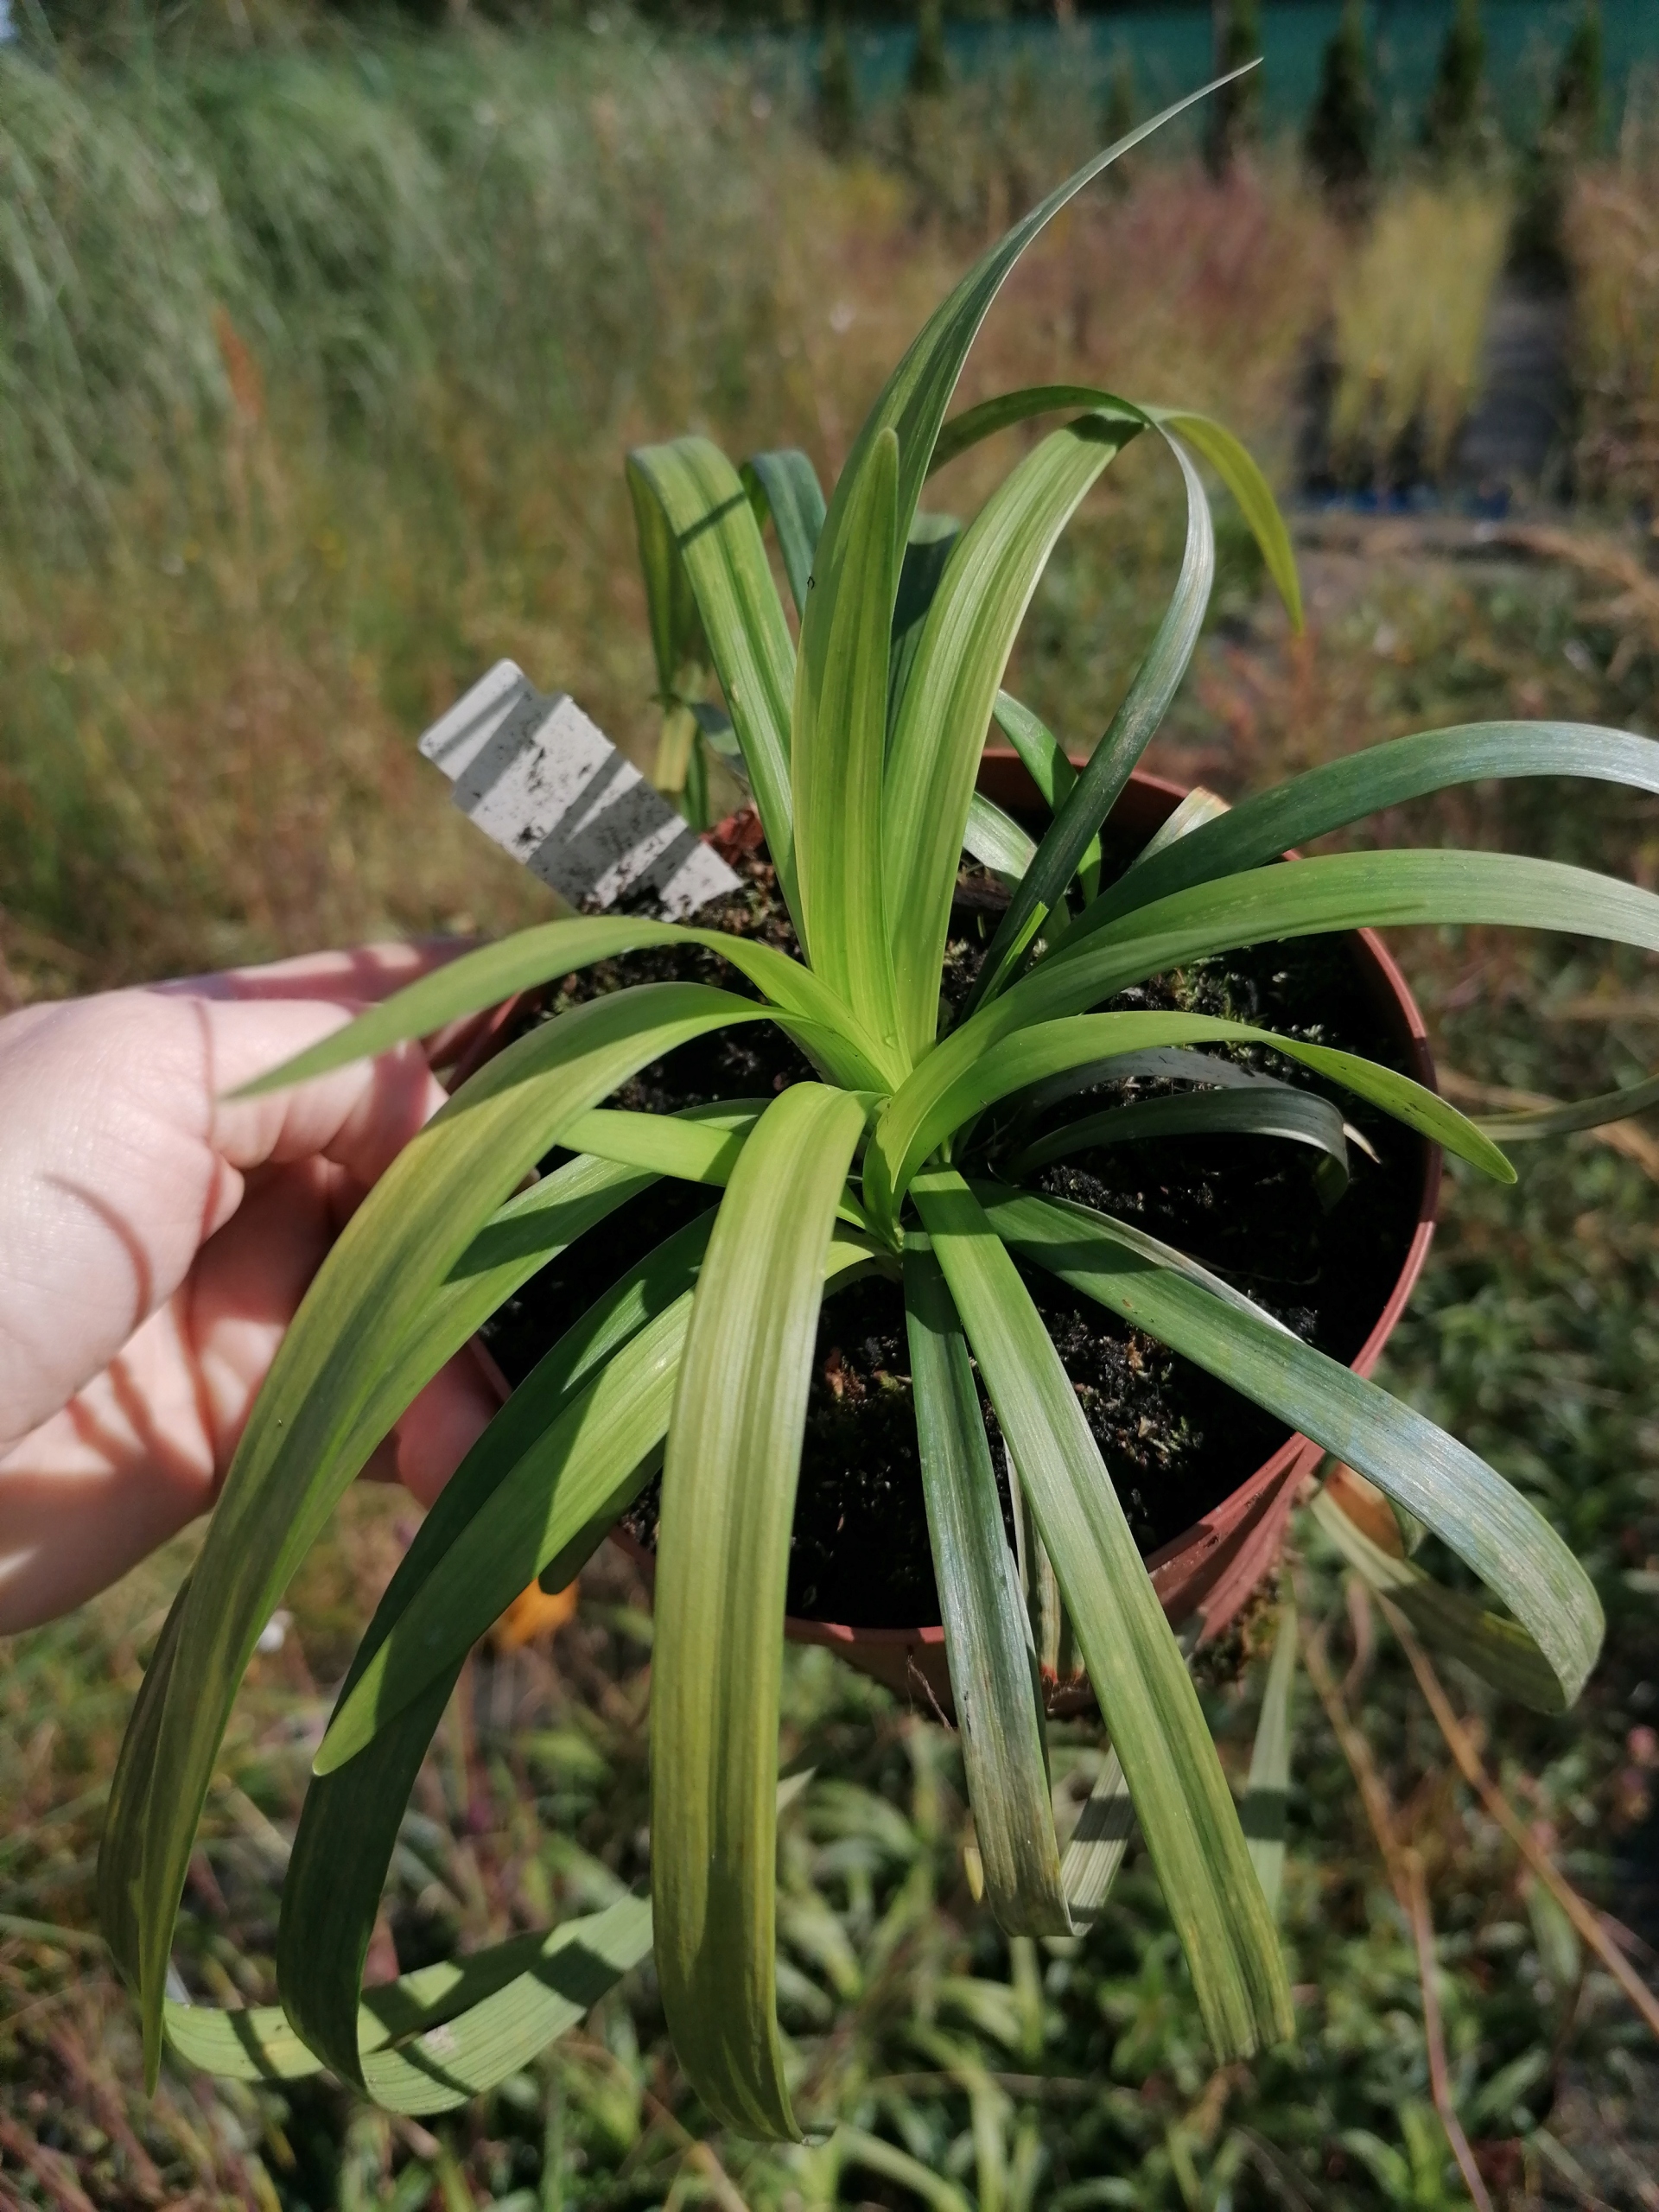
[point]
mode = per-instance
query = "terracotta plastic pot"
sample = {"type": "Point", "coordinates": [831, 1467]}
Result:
{"type": "Point", "coordinates": [1214, 1567]}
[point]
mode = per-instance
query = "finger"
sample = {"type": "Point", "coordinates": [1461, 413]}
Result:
{"type": "Point", "coordinates": [140, 1450]}
{"type": "Point", "coordinates": [120, 1161]}
{"type": "Point", "coordinates": [353, 978]}
{"type": "Point", "coordinates": [360, 1117]}
{"type": "Point", "coordinates": [127, 1464]}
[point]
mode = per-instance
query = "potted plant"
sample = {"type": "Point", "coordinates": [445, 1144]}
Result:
{"type": "Point", "coordinates": [915, 1154]}
{"type": "Point", "coordinates": [1208, 1479]}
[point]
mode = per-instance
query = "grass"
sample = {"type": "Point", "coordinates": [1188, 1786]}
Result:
{"type": "Point", "coordinates": [229, 595]}
{"type": "Point", "coordinates": [1409, 314]}
{"type": "Point", "coordinates": [1614, 237]}
{"type": "Point", "coordinates": [270, 511]}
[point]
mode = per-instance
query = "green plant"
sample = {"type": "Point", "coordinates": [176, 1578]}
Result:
{"type": "Point", "coordinates": [1341, 136]}
{"type": "Point", "coordinates": [861, 748]}
{"type": "Point", "coordinates": [1452, 120]}
{"type": "Point", "coordinates": [929, 73]}
{"type": "Point", "coordinates": [1564, 146]}
{"type": "Point", "coordinates": [837, 91]}
{"type": "Point", "coordinates": [1409, 314]}
{"type": "Point", "coordinates": [1235, 114]}
{"type": "Point", "coordinates": [1610, 235]}
{"type": "Point", "coordinates": [1576, 100]}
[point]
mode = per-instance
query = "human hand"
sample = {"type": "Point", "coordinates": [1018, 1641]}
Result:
{"type": "Point", "coordinates": [156, 1237]}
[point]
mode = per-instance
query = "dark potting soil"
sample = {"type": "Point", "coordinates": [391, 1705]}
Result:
{"type": "Point", "coordinates": [1176, 1440]}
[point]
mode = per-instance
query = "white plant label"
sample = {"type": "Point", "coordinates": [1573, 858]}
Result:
{"type": "Point", "coordinates": [548, 786]}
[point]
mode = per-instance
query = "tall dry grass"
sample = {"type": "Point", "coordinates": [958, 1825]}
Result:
{"type": "Point", "coordinates": [1409, 314]}
{"type": "Point", "coordinates": [1612, 240]}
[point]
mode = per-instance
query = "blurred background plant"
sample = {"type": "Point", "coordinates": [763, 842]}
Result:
{"type": "Point", "coordinates": [1233, 116]}
{"type": "Point", "coordinates": [1612, 225]}
{"type": "Point", "coordinates": [1340, 140]}
{"type": "Point", "coordinates": [320, 342]}
{"type": "Point", "coordinates": [1409, 310]}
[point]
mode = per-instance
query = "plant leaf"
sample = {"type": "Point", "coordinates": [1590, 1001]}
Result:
{"type": "Point", "coordinates": [532, 956]}
{"type": "Point", "coordinates": [1044, 762]}
{"type": "Point", "coordinates": [1160, 1064]}
{"type": "Point", "coordinates": [351, 1813]}
{"type": "Point", "coordinates": [987, 1640]}
{"type": "Point", "coordinates": [728, 1494]}
{"type": "Point", "coordinates": [348, 1829]}
{"type": "Point", "coordinates": [1147, 1698]}
{"type": "Point", "coordinates": [676, 639]}
{"type": "Point", "coordinates": [1238, 470]}
{"type": "Point", "coordinates": [932, 538]}
{"type": "Point", "coordinates": [976, 423]}
{"type": "Point", "coordinates": [1108, 767]}
{"type": "Point", "coordinates": [713, 529]}
{"type": "Point", "coordinates": [1575, 1114]}
{"type": "Point", "coordinates": [1338, 891]}
{"type": "Point", "coordinates": [1491, 1527]}
{"type": "Point", "coordinates": [950, 1087]}
{"type": "Point", "coordinates": [703, 1150]}
{"type": "Point", "coordinates": [540, 1986]}
{"type": "Point", "coordinates": [446, 2064]}
{"type": "Point", "coordinates": [1095, 1848]}
{"type": "Point", "coordinates": [1329, 798]}
{"type": "Point", "coordinates": [1198, 807]}
{"type": "Point", "coordinates": [564, 1455]}
{"type": "Point", "coordinates": [520, 1237]}
{"type": "Point", "coordinates": [1268, 1787]}
{"type": "Point", "coordinates": [1487, 1642]}
{"type": "Point", "coordinates": [1041, 753]}
{"type": "Point", "coordinates": [1231, 460]}
{"type": "Point", "coordinates": [913, 400]}
{"type": "Point", "coordinates": [966, 639]}
{"type": "Point", "coordinates": [1301, 1117]}
{"type": "Point", "coordinates": [785, 485]}
{"type": "Point", "coordinates": [311, 1428]}
{"type": "Point", "coordinates": [996, 841]}
{"type": "Point", "coordinates": [840, 738]}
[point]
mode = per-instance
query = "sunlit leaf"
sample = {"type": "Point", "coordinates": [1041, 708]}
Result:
{"type": "Point", "coordinates": [714, 529]}
{"type": "Point", "coordinates": [840, 738]}
{"type": "Point", "coordinates": [553, 950]}
{"type": "Point", "coordinates": [987, 1642]}
{"type": "Point", "coordinates": [1339, 793]}
{"type": "Point", "coordinates": [1267, 1789]}
{"type": "Point", "coordinates": [996, 841]}
{"type": "Point", "coordinates": [1453, 1621]}
{"type": "Point", "coordinates": [994, 568]}
{"type": "Point", "coordinates": [787, 485]}
{"type": "Point", "coordinates": [1486, 1522]}
{"type": "Point", "coordinates": [703, 1150]}
{"type": "Point", "coordinates": [1136, 1667]}
{"type": "Point", "coordinates": [1100, 781]}
{"type": "Point", "coordinates": [729, 1494]}
{"type": "Point", "coordinates": [952, 1085]}
{"type": "Point", "coordinates": [311, 1429]}
{"type": "Point", "coordinates": [1095, 1848]}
